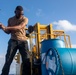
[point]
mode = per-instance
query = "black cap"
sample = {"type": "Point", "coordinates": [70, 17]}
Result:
{"type": "Point", "coordinates": [19, 8]}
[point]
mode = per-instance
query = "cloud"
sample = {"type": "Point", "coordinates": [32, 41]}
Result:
{"type": "Point", "coordinates": [39, 12]}
{"type": "Point", "coordinates": [65, 25]}
{"type": "Point", "coordinates": [1, 62]}
{"type": "Point", "coordinates": [1, 56]}
{"type": "Point", "coordinates": [13, 65]}
{"type": "Point", "coordinates": [74, 46]}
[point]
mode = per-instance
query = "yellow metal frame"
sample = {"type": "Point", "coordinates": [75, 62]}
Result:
{"type": "Point", "coordinates": [49, 34]}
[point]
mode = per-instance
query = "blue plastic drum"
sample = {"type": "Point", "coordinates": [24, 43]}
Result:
{"type": "Point", "coordinates": [68, 60]}
{"type": "Point", "coordinates": [49, 56]}
{"type": "Point", "coordinates": [56, 59]}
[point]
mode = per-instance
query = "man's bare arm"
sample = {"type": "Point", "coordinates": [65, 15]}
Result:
{"type": "Point", "coordinates": [14, 28]}
{"type": "Point", "coordinates": [3, 28]}
{"type": "Point", "coordinates": [17, 27]}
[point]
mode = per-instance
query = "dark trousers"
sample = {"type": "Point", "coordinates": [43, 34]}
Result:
{"type": "Point", "coordinates": [13, 46]}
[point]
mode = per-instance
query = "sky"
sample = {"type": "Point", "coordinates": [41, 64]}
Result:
{"type": "Point", "coordinates": [61, 13]}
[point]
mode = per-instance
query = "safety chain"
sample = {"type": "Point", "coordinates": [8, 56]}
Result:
{"type": "Point", "coordinates": [58, 58]}
{"type": "Point", "coordinates": [60, 61]}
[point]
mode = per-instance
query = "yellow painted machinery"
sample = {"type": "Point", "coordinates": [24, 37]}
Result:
{"type": "Point", "coordinates": [40, 33]}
